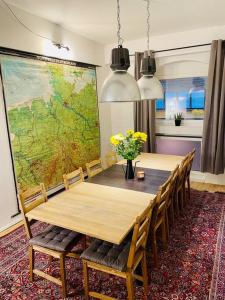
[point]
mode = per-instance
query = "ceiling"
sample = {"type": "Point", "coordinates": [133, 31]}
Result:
{"type": "Point", "coordinates": [96, 19]}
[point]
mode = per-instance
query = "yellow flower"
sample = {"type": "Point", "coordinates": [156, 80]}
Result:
{"type": "Point", "coordinates": [140, 135]}
{"type": "Point", "coordinates": [143, 136]}
{"type": "Point", "coordinates": [130, 132]}
{"type": "Point", "coordinates": [135, 135]}
{"type": "Point", "coordinates": [116, 139]}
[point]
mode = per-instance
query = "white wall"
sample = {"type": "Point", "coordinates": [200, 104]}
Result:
{"type": "Point", "coordinates": [172, 40]}
{"type": "Point", "coordinates": [189, 62]}
{"type": "Point", "coordinates": [13, 35]}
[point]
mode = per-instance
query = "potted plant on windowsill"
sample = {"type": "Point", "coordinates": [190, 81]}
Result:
{"type": "Point", "coordinates": [178, 118]}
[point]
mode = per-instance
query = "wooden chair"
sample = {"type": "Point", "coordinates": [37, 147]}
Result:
{"type": "Point", "coordinates": [94, 167]}
{"type": "Point", "coordinates": [128, 255]}
{"type": "Point", "coordinates": [159, 219]}
{"type": "Point", "coordinates": [53, 241]}
{"type": "Point", "coordinates": [171, 199]}
{"type": "Point", "coordinates": [191, 158]}
{"type": "Point", "coordinates": [180, 193]}
{"type": "Point", "coordinates": [73, 178]}
{"type": "Point", "coordinates": [111, 159]}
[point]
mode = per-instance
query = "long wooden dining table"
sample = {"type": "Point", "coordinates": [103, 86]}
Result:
{"type": "Point", "coordinates": [107, 205]}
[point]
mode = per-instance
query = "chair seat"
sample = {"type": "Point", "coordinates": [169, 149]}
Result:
{"type": "Point", "coordinates": [55, 238]}
{"type": "Point", "coordinates": [108, 254]}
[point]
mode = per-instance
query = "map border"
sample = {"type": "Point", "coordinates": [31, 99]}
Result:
{"type": "Point", "coordinates": [52, 59]}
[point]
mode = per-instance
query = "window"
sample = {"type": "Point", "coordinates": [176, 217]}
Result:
{"type": "Point", "coordinates": [186, 95]}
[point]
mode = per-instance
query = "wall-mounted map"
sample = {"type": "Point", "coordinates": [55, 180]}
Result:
{"type": "Point", "coordinates": [52, 117]}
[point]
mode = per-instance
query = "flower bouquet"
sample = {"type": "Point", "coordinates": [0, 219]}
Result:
{"type": "Point", "coordinates": [129, 147]}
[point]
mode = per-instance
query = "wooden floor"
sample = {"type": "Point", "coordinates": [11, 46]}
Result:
{"type": "Point", "coordinates": [200, 186]}
{"type": "Point", "coordinates": [209, 187]}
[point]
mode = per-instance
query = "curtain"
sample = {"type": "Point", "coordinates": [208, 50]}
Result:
{"type": "Point", "coordinates": [144, 112]}
{"type": "Point", "coordinates": [213, 140]}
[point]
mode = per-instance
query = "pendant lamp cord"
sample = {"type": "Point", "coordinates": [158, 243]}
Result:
{"type": "Point", "coordinates": [148, 23]}
{"type": "Point", "coordinates": [120, 39]}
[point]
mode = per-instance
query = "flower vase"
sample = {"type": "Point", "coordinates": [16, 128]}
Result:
{"type": "Point", "coordinates": [129, 170]}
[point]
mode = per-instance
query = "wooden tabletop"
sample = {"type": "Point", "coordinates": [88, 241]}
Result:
{"type": "Point", "coordinates": [99, 211]}
{"type": "Point", "coordinates": [157, 161]}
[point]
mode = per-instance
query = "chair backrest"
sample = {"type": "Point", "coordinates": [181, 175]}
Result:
{"type": "Point", "coordinates": [73, 178]}
{"type": "Point", "coordinates": [183, 169]}
{"type": "Point", "coordinates": [139, 237]}
{"type": "Point", "coordinates": [111, 159]}
{"type": "Point", "coordinates": [161, 203]}
{"type": "Point", "coordinates": [191, 158]}
{"type": "Point", "coordinates": [94, 167]}
{"type": "Point", "coordinates": [30, 199]}
{"type": "Point", "coordinates": [173, 183]}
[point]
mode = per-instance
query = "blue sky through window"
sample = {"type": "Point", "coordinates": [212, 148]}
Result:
{"type": "Point", "coordinates": [182, 95]}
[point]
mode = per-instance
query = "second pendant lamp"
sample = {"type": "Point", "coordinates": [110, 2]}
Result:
{"type": "Point", "coordinates": [149, 85]}
{"type": "Point", "coordinates": [120, 86]}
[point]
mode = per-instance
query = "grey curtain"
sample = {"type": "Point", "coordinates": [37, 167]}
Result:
{"type": "Point", "coordinates": [213, 141]}
{"type": "Point", "coordinates": [144, 112]}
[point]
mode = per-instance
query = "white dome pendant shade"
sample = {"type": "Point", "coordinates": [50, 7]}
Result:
{"type": "Point", "coordinates": [149, 85]}
{"type": "Point", "coordinates": [120, 86]}
{"type": "Point", "coordinates": [150, 88]}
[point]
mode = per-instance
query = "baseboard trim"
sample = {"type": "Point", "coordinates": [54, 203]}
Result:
{"type": "Point", "coordinates": [208, 178]}
{"type": "Point", "coordinates": [11, 226]}
{"type": "Point", "coordinates": [197, 176]}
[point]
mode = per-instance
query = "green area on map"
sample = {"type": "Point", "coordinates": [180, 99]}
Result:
{"type": "Point", "coordinates": [53, 118]}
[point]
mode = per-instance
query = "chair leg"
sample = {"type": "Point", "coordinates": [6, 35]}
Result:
{"type": "Point", "coordinates": [167, 224]}
{"type": "Point", "coordinates": [63, 275]}
{"type": "Point", "coordinates": [177, 203]}
{"type": "Point", "coordinates": [144, 273]}
{"type": "Point", "coordinates": [164, 233]}
{"type": "Point", "coordinates": [181, 200]}
{"type": "Point", "coordinates": [154, 249]}
{"type": "Point", "coordinates": [86, 280]}
{"type": "Point", "coordinates": [172, 212]}
{"type": "Point", "coordinates": [31, 262]}
{"type": "Point", "coordinates": [184, 196]}
{"type": "Point", "coordinates": [130, 286]}
{"type": "Point", "coordinates": [189, 189]}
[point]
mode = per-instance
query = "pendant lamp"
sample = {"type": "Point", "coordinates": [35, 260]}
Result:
{"type": "Point", "coordinates": [149, 85]}
{"type": "Point", "coordinates": [120, 86]}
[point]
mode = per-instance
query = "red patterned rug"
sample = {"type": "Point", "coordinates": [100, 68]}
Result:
{"type": "Point", "coordinates": [191, 269]}
{"type": "Point", "coordinates": [217, 289]}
